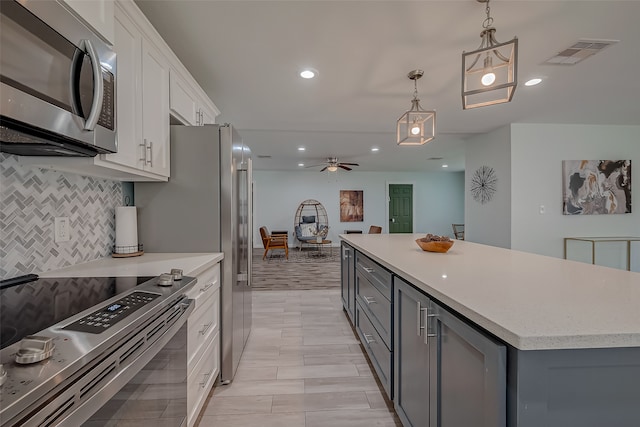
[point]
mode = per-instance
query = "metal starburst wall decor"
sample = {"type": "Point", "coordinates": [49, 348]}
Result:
{"type": "Point", "coordinates": [483, 184]}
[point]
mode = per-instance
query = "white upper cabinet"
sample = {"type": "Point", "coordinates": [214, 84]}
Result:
{"type": "Point", "coordinates": [98, 14]}
{"type": "Point", "coordinates": [189, 104]}
{"type": "Point", "coordinates": [155, 110]}
{"type": "Point", "coordinates": [182, 101]}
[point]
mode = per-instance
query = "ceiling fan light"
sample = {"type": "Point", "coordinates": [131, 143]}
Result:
{"type": "Point", "coordinates": [332, 168]}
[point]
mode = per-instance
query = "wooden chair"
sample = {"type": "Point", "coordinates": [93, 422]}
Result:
{"type": "Point", "coordinates": [269, 241]}
{"type": "Point", "coordinates": [374, 229]}
{"type": "Point", "coordinates": [458, 231]}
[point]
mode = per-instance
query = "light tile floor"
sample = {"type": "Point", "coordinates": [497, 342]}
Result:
{"type": "Point", "coordinates": [302, 367]}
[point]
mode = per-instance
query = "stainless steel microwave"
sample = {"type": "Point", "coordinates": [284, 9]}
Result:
{"type": "Point", "coordinates": [58, 83]}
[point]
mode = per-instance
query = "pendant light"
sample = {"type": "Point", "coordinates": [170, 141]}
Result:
{"type": "Point", "coordinates": [489, 73]}
{"type": "Point", "coordinates": [417, 126]}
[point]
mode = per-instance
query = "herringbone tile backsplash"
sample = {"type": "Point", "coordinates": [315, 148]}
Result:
{"type": "Point", "coordinates": [30, 199]}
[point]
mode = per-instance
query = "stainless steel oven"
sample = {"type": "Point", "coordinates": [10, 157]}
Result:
{"type": "Point", "coordinates": [113, 351]}
{"type": "Point", "coordinates": [58, 83]}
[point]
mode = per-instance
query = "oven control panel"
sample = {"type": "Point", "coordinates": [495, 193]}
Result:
{"type": "Point", "coordinates": [102, 319]}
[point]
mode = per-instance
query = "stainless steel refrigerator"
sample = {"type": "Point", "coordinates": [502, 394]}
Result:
{"type": "Point", "coordinates": [206, 207]}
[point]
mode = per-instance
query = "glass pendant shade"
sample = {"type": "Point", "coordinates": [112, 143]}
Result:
{"type": "Point", "coordinates": [489, 73]}
{"type": "Point", "coordinates": [416, 126]}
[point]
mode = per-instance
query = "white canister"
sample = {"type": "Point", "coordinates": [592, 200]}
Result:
{"type": "Point", "coordinates": [126, 230]}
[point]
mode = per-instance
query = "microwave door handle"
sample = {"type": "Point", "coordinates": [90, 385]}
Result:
{"type": "Point", "coordinates": [98, 90]}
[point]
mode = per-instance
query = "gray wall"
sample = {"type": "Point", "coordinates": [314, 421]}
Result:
{"type": "Point", "coordinates": [438, 199]}
{"type": "Point", "coordinates": [537, 151]}
{"type": "Point", "coordinates": [489, 223]}
{"type": "Point", "coordinates": [30, 199]}
{"type": "Point", "coordinates": [528, 159]}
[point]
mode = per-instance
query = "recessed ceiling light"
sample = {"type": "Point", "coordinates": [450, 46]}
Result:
{"type": "Point", "coordinates": [533, 82]}
{"type": "Point", "coordinates": [445, 166]}
{"type": "Point", "coordinates": [308, 73]}
{"type": "Point", "coordinates": [301, 164]}
{"type": "Point", "coordinates": [301, 148]}
{"type": "Point", "coordinates": [374, 149]}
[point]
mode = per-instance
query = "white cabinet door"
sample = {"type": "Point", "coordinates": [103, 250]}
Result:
{"type": "Point", "coordinates": [181, 100]}
{"type": "Point", "coordinates": [98, 14]}
{"type": "Point", "coordinates": [155, 110]}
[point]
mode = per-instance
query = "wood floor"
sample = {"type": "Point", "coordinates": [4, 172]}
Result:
{"type": "Point", "coordinates": [302, 367]}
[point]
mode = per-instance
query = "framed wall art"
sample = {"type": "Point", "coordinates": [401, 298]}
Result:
{"type": "Point", "coordinates": [596, 187]}
{"type": "Point", "coordinates": [351, 206]}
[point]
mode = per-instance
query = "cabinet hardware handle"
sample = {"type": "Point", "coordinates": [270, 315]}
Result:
{"type": "Point", "coordinates": [204, 379]}
{"type": "Point", "coordinates": [206, 288]}
{"type": "Point", "coordinates": [368, 338]}
{"type": "Point", "coordinates": [429, 334]}
{"type": "Point", "coordinates": [144, 151]}
{"type": "Point", "coordinates": [369, 300]}
{"type": "Point", "coordinates": [368, 269]}
{"type": "Point", "coordinates": [150, 149]}
{"type": "Point", "coordinates": [345, 253]}
{"type": "Point", "coordinates": [205, 328]}
{"type": "Point", "coordinates": [419, 310]}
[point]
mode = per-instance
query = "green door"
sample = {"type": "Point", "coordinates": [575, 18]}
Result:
{"type": "Point", "coordinates": [400, 208]}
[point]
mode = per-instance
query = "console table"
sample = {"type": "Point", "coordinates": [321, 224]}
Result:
{"type": "Point", "coordinates": [595, 240]}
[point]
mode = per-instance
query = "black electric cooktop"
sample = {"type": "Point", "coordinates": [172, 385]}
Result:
{"type": "Point", "coordinates": [32, 304]}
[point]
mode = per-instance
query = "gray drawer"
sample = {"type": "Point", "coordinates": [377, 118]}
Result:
{"type": "Point", "coordinates": [379, 354]}
{"type": "Point", "coordinates": [378, 308]}
{"type": "Point", "coordinates": [377, 274]}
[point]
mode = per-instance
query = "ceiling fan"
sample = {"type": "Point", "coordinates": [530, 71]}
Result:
{"type": "Point", "coordinates": [332, 164]}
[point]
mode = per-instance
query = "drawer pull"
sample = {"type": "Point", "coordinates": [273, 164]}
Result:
{"type": "Point", "coordinates": [369, 300]}
{"type": "Point", "coordinates": [205, 378]}
{"type": "Point", "coordinates": [368, 338]}
{"type": "Point", "coordinates": [205, 328]}
{"type": "Point", "coordinates": [368, 270]}
{"type": "Point", "coordinates": [209, 285]}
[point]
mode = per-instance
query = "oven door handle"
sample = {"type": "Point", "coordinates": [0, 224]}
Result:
{"type": "Point", "coordinates": [98, 87]}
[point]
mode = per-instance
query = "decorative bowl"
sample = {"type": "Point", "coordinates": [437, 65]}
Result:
{"type": "Point", "coordinates": [434, 245]}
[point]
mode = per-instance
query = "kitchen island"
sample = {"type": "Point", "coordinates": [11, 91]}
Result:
{"type": "Point", "coordinates": [558, 341]}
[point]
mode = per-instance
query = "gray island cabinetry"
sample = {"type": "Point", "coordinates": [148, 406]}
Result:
{"type": "Point", "coordinates": [446, 372]}
{"type": "Point", "coordinates": [373, 316]}
{"type": "Point", "coordinates": [486, 336]}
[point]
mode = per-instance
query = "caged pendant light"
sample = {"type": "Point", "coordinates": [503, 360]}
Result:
{"type": "Point", "coordinates": [489, 73]}
{"type": "Point", "coordinates": [416, 126]}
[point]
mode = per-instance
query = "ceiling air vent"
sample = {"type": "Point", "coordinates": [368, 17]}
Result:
{"type": "Point", "coordinates": [264, 156]}
{"type": "Point", "coordinates": [579, 52]}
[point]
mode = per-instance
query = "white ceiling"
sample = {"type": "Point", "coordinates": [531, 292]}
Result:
{"type": "Point", "coordinates": [247, 54]}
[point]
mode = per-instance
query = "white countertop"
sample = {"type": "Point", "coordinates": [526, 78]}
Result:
{"type": "Point", "coordinates": [149, 264]}
{"type": "Point", "coordinates": [530, 301]}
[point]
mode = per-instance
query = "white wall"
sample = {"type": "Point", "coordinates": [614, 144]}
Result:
{"type": "Point", "coordinates": [537, 151]}
{"type": "Point", "coordinates": [489, 223]}
{"type": "Point", "coordinates": [438, 199]}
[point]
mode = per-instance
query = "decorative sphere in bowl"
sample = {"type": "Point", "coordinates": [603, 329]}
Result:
{"type": "Point", "coordinates": [434, 245]}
